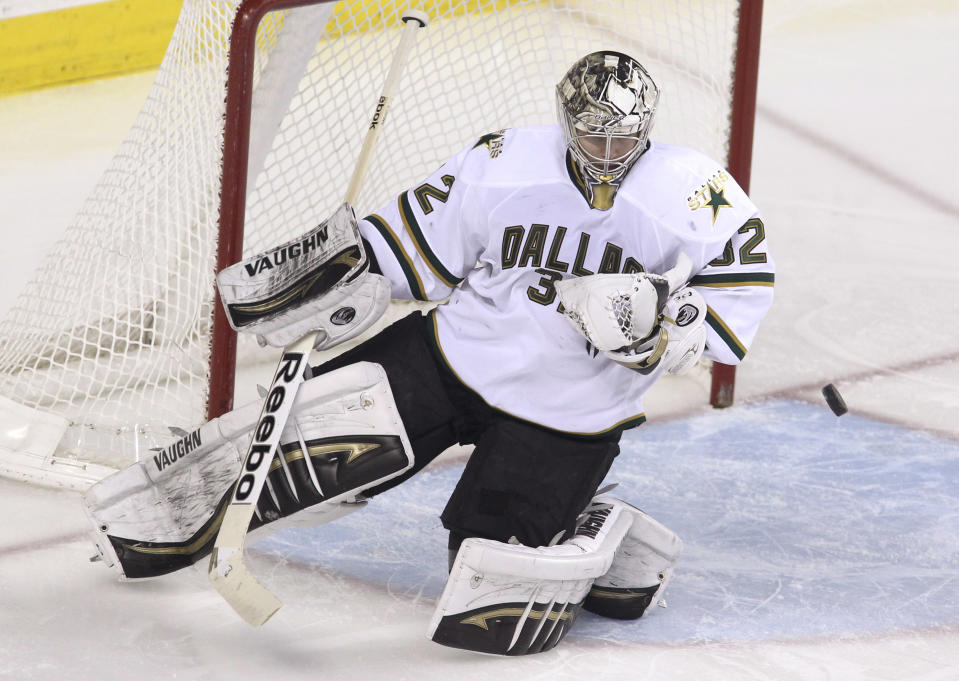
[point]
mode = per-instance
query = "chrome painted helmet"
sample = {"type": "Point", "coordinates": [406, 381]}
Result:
{"type": "Point", "coordinates": [606, 104]}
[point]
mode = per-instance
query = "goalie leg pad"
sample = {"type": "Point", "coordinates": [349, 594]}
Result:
{"type": "Point", "coordinates": [510, 599]}
{"type": "Point", "coordinates": [641, 568]}
{"type": "Point", "coordinates": [343, 437]}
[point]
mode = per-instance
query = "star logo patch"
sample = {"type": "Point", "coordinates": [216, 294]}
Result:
{"type": "Point", "coordinates": [711, 194]}
{"type": "Point", "coordinates": [717, 200]}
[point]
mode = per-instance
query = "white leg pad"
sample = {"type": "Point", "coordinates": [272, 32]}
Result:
{"type": "Point", "coordinates": [640, 571]}
{"type": "Point", "coordinates": [510, 599]}
{"type": "Point", "coordinates": [344, 435]}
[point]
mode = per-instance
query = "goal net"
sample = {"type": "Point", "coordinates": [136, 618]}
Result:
{"type": "Point", "coordinates": [112, 342]}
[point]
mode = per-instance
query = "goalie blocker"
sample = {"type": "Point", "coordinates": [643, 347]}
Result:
{"type": "Point", "coordinates": [163, 513]}
{"type": "Point", "coordinates": [319, 282]}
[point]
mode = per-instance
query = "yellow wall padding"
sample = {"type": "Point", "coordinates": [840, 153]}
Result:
{"type": "Point", "coordinates": [121, 36]}
{"type": "Point", "coordinates": [85, 42]}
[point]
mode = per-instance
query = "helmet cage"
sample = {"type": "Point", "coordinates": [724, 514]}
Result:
{"type": "Point", "coordinates": [606, 104]}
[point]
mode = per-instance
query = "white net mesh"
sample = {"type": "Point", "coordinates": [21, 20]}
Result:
{"type": "Point", "coordinates": [113, 332]}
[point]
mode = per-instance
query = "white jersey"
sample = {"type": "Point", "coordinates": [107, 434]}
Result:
{"type": "Point", "coordinates": [498, 224]}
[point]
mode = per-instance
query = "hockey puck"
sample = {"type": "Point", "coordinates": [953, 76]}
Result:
{"type": "Point", "coordinates": [834, 400]}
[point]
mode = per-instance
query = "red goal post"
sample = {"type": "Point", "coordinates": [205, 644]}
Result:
{"type": "Point", "coordinates": [739, 160]}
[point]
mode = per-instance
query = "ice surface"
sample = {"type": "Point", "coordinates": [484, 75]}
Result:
{"type": "Point", "coordinates": [810, 540]}
{"type": "Point", "coordinates": [816, 548]}
{"type": "Point", "coordinates": [785, 538]}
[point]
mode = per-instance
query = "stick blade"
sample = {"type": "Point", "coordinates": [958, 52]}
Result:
{"type": "Point", "coordinates": [251, 600]}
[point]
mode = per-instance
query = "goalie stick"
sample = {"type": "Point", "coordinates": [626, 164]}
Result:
{"type": "Point", "coordinates": [229, 574]}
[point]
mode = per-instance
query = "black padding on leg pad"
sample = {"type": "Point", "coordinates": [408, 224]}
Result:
{"type": "Point", "coordinates": [266, 507]}
{"type": "Point", "coordinates": [305, 489]}
{"type": "Point", "coordinates": [281, 488]}
{"type": "Point", "coordinates": [341, 464]}
{"type": "Point", "coordinates": [491, 631]}
{"type": "Point", "coordinates": [526, 482]}
{"type": "Point", "coordinates": [426, 448]}
{"type": "Point", "coordinates": [620, 604]}
{"type": "Point", "coordinates": [290, 501]}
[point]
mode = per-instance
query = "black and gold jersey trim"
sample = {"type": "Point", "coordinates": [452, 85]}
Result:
{"type": "Point", "coordinates": [731, 280]}
{"type": "Point", "coordinates": [419, 240]}
{"type": "Point", "coordinates": [406, 264]}
{"type": "Point", "coordinates": [434, 344]}
{"type": "Point", "coordinates": [724, 332]}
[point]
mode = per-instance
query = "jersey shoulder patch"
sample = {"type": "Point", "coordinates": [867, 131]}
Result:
{"type": "Point", "coordinates": [493, 141]}
{"type": "Point", "coordinates": [690, 193]}
{"type": "Point", "coordinates": [516, 156]}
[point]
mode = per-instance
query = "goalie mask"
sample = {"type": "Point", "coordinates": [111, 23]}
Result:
{"type": "Point", "coordinates": [606, 104]}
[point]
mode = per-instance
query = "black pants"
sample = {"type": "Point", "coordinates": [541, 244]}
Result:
{"type": "Point", "coordinates": [522, 480]}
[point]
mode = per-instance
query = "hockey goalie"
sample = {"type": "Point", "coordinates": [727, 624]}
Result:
{"type": "Point", "coordinates": [581, 262]}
